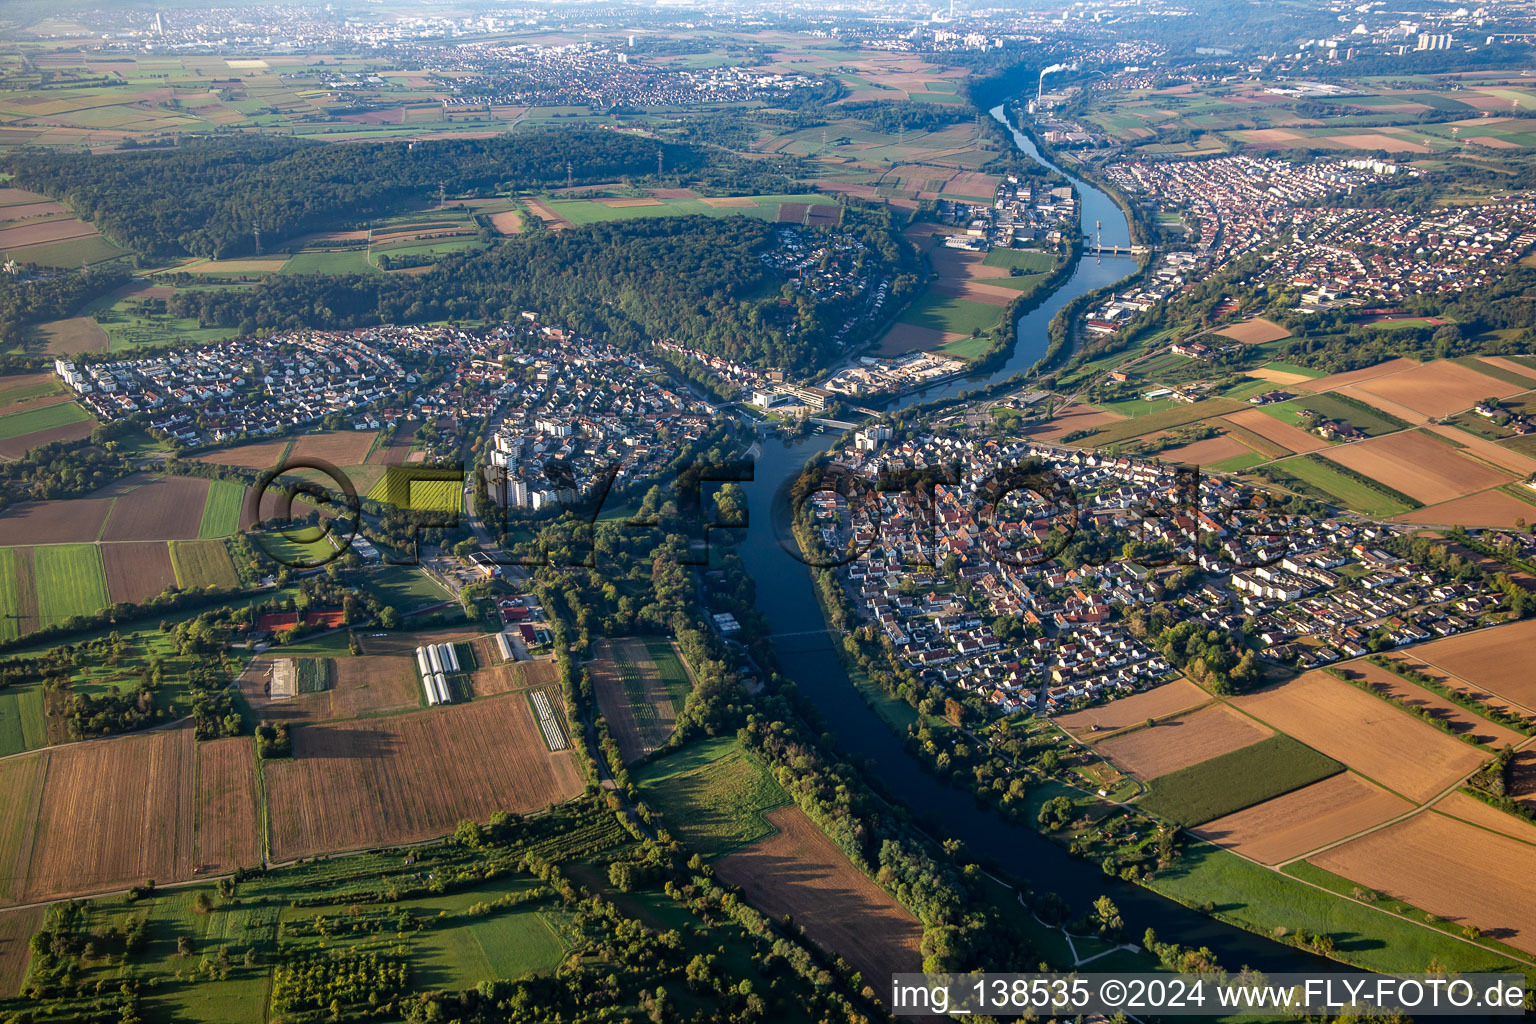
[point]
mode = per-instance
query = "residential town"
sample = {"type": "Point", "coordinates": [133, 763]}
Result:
{"type": "Point", "coordinates": [973, 596]}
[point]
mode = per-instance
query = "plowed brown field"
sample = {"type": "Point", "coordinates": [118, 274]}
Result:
{"type": "Point", "coordinates": [228, 825]}
{"type": "Point", "coordinates": [1254, 332]}
{"type": "Point", "coordinates": [1460, 720]}
{"type": "Point", "coordinates": [1304, 819]}
{"type": "Point", "coordinates": [137, 570]}
{"type": "Point", "coordinates": [113, 813]}
{"type": "Point", "coordinates": [77, 521]}
{"type": "Point", "coordinates": [1470, 808]}
{"type": "Point", "coordinates": [800, 873]}
{"type": "Point", "coordinates": [412, 777]}
{"type": "Point", "coordinates": [1457, 871]}
{"type": "Point", "coordinates": [1266, 426]}
{"type": "Point", "coordinates": [1488, 508]}
{"type": "Point", "coordinates": [1385, 745]}
{"type": "Point", "coordinates": [164, 508]}
{"type": "Point", "coordinates": [339, 448]}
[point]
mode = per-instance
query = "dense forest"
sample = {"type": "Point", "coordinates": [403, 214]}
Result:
{"type": "Point", "coordinates": [696, 279]}
{"type": "Point", "coordinates": [208, 197]}
{"type": "Point", "coordinates": [52, 298]}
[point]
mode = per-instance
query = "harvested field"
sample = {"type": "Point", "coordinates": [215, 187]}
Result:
{"type": "Point", "coordinates": [673, 193]}
{"type": "Point", "coordinates": [75, 334]}
{"type": "Point", "coordinates": [114, 813]}
{"type": "Point", "coordinates": [1270, 429]}
{"type": "Point", "coordinates": [624, 204]}
{"type": "Point", "coordinates": [548, 216]}
{"type": "Point", "coordinates": [1203, 453]}
{"type": "Point", "coordinates": [1402, 412]}
{"type": "Point", "coordinates": [800, 873]}
{"type": "Point", "coordinates": [729, 202]}
{"type": "Point", "coordinates": [1387, 746]}
{"type": "Point", "coordinates": [1438, 388]}
{"type": "Point", "coordinates": [76, 521]}
{"type": "Point", "coordinates": [1229, 782]}
{"type": "Point", "coordinates": [16, 929]}
{"type": "Point", "coordinates": [1460, 720]}
{"type": "Point", "coordinates": [339, 448]}
{"type": "Point", "coordinates": [1426, 470]}
{"type": "Point", "coordinates": [163, 508]}
{"type": "Point", "coordinates": [203, 563]}
{"type": "Point", "coordinates": [1489, 508]}
{"type": "Point", "coordinates": [137, 569]}
{"type": "Point", "coordinates": [1376, 140]}
{"type": "Point", "coordinates": [1180, 742]}
{"type": "Point", "coordinates": [1483, 658]}
{"type": "Point", "coordinates": [1469, 808]}
{"type": "Point", "coordinates": [1412, 861]}
{"type": "Point", "coordinates": [412, 777]}
{"type": "Point", "coordinates": [992, 295]}
{"type": "Point", "coordinates": [46, 231]}
{"type": "Point", "coordinates": [261, 456]}
{"type": "Point", "coordinates": [16, 447]}
{"type": "Point", "coordinates": [508, 222]}
{"type": "Point", "coordinates": [1349, 377]}
{"type": "Point", "coordinates": [633, 697]}
{"type": "Point", "coordinates": [1254, 332]}
{"type": "Point", "coordinates": [1280, 377]}
{"type": "Point", "coordinates": [1158, 702]}
{"type": "Point", "coordinates": [1288, 826]}
{"type": "Point", "coordinates": [228, 823]}
{"type": "Point", "coordinates": [360, 686]}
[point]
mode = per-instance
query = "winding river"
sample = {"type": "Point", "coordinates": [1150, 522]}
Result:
{"type": "Point", "coordinates": [786, 595]}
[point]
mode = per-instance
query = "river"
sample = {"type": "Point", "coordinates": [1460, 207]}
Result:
{"type": "Point", "coordinates": [786, 595]}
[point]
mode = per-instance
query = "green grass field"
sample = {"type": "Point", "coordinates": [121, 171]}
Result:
{"type": "Point", "coordinates": [713, 795]}
{"type": "Point", "coordinates": [221, 514]}
{"type": "Point", "coordinates": [591, 211]}
{"type": "Point", "coordinates": [673, 675]}
{"type": "Point", "coordinates": [70, 581]}
{"type": "Point", "coordinates": [18, 424]}
{"type": "Point", "coordinates": [10, 597]}
{"type": "Point", "coordinates": [203, 563]}
{"type": "Point", "coordinates": [1164, 419]}
{"type": "Point", "coordinates": [1345, 490]}
{"type": "Point", "coordinates": [967, 348]}
{"type": "Point", "coordinates": [1238, 463]}
{"type": "Point", "coordinates": [23, 392]}
{"type": "Point", "coordinates": [1232, 781]}
{"type": "Point", "coordinates": [1034, 262]}
{"type": "Point", "coordinates": [950, 313]}
{"type": "Point", "coordinates": [1254, 897]}
{"type": "Point", "coordinates": [301, 547]}
{"type": "Point", "coordinates": [344, 261]}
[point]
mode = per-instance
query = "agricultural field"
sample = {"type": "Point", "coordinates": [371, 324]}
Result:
{"type": "Point", "coordinates": [1184, 740]}
{"type": "Point", "coordinates": [1159, 702]}
{"type": "Point", "coordinates": [157, 508]}
{"type": "Point", "coordinates": [1428, 470]}
{"type": "Point", "coordinates": [32, 427]}
{"type": "Point", "coordinates": [16, 928]}
{"type": "Point", "coordinates": [1327, 482]}
{"type": "Point", "coordinates": [1408, 861]}
{"type": "Point", "coordinates": [221, 513]}
{"type": "Point", "coordinates": [137, 570]}
{"type": "Point", "coordinates": [783, 208]}
{"type": "Point", "coordinates": [1432, 389]}
{"type": "Point", "coordinates": [69, 580]}
{"type": "Point", "coordinates": [228, 831]}
{"type": "Point", "coordinates": [1287, 436]}
{"type": "Point", "coordinates": [110, 813]}
{"type": "Point", "coordinates": [798, 872]}
{"type": "Point", "coordinates": [1232, 781]}
{"type": "Point", "coordinates": [1452, 716]}
{"type": "Point", "coordinates": [1305, 819]}
{"type": "Point", "coordinates": [1162, 419]}
{"type": "Point", "coordinates": [1385, 745]}
{"type": "Point", "coordinates": [1336, 406]}
{"type": "Point", "coordinates": [358, 686]}
{"type": "Point", "coordinates": [411, 777]}
{"type": "Point", "coordinates": [1481, 660]}
{"type": "Point", "coordinates": [203, 563]}
{"type": "Point", "coordinates": [713, 795]}
{"type": "Point", "coordinates": [1254, 332]}
{"type": "Point", "coordinates": [641, 686]}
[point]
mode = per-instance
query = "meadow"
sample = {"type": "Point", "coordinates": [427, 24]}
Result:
{"type": "Point", "coordinates": [714, 795]}
{"type": "Point", "coordinates": [70, 581]}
